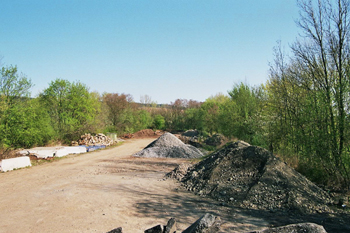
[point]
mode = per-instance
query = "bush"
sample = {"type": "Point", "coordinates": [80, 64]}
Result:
{"type": "Point", "coordinates": [159, 122]}
{"type": "Point", "coordinates": [26, 124]}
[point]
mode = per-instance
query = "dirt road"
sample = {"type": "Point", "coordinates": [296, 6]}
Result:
{"type": "Point", "coordinates": [103, 190]}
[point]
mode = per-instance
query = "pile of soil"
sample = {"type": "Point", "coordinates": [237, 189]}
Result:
{"type": "Point", "coordinates": [169, 146]}
{"type": "Point", "coordinates": [251, 177]}
{"type": "Point", "coordinates": [145, 133]}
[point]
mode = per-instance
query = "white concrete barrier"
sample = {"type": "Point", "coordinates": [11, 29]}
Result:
{"type": "Point", "coordinates": [64, 151]}
{"type": "Point", "coordinates": [75, 149]}
{"type": "Point", "coordinates": [42, 152]}
{"type": "Point", "coordinates": [48, 152]}
{"type": "Point", "coordinates": [60, 152]}
{"type": "Point", "coordinates": [14, 163]}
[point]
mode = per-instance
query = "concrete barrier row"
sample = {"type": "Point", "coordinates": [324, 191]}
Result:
{"type": "Point", "coordinates": [43, 153]}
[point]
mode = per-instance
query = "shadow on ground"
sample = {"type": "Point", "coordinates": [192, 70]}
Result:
{"type": "Point", "coordinates": [186, 207]}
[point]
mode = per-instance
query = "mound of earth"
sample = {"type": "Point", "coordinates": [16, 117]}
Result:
{"type": "Point", "coordinates": [169, 146]}
{"type": "Point", "coordinates": [144, 133]}
{"type": "Point", "coordinates": [251, 177]}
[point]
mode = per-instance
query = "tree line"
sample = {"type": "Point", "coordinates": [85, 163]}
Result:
{"type": "Point", "coordinates": [301, 113]}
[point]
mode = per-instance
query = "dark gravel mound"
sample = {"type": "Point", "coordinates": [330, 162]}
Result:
{"type": "Point", "coordinates": [191, 133]}
{"type": "Point", "coordinates": [216, 140]}
{"type": "Point", "coordinates": [169, 146]}
{"type": "Point", "coordinates": [251, 177]}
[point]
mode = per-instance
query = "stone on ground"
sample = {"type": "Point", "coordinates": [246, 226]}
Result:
{"type": "Point", "coordinates": [296, 228]}
{"type": "Point", "coordinates": [208, 223]}
{"type": "Point", "coordinates": [156, 229]}
{"type": "Point", "coordinates": [170, 226]}
{"type": "Point", "coordinates": [116, 230]}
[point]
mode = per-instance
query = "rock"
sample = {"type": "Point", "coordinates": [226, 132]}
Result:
{"type": "Point", "coordinates": [241, 144]}
{"type": "Point", "coordinates": [208, 223]}
{"type": "Point", "coordinates": [74, 143]}
{"type": "Point", "coordinates": [170, 226]}
{"type": "Point", "coordinates": [297, 228]}
{"type": "Point", "coordinates": [116, 230]}
{"type": "Point", "coordinates": [156, 229]}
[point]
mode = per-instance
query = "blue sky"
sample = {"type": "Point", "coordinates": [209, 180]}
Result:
{"type": "Point", "coordinates": [167, 49]}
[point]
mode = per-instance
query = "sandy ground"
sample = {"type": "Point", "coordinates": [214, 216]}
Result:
{"type": "Point", "coordinates": [103, 190]}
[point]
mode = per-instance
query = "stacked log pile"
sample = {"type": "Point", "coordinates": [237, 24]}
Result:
{"type": "Point", "coordinates": [89, 140]}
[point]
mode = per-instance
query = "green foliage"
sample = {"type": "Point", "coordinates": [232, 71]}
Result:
{"type": "Point", "coordinates": [72, 108]}
{"type": "Point", "coordinates": [13, 85]}
{"type": "Point", "coordinates": [210, 112]}
{"type": "Point", "coordinates": [26, 124]}
{"type": "Point", "coordinates": [22, 122]}
{"type": "Point", "coordinates": [193, 119]}
{"type": "Point", "coordinates": [309, 95]}
{"type": "Point", "coordinates": [143, 120]}
{"type": "Point", "coordinates": [159, 122]}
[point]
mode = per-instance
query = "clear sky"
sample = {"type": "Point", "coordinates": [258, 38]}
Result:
{"type": "Point", "coordinates": [167, 49]}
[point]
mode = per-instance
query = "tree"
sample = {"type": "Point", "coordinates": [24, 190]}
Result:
{"type": "Point", "coordinates": [72, 108]}
{"type": "Point", "coordinates": [159, 122]}
{"type": "Point", "coordinates": [14, 92]}
{"type": "Point", "coordinates": [310, 93]}
{"type": "Point", "coordinates": [26, 124]}
{"type": "Point", "coordinates": [147, 101]}
{"type": "Point", "coordinates": [12, 85]}
{"type": "Point", "coordinates": [117, 104]}
{"type": "Point", "coordinates": [248, 104]}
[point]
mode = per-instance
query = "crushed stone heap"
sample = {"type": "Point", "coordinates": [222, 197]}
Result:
{"type": "Point", "coordinates": [169, 146]}
{"type": "Point", "coordinates": [251, 177]}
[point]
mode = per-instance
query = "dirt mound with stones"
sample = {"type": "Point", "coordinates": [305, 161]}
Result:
{"type": "Point", "coordinates": [145, 133]}
{"type": "Point", "coordinates": [251, 177]}
{"type": "Point", "coordinates": [169, 146]}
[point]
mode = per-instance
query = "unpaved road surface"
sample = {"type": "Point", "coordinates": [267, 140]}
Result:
{"type": "Point", "coordinates": [103, 190]}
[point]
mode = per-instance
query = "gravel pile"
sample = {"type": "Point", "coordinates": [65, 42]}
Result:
{"type": "Point", "coordinates": [251, 177]}
{"type": "Point", "coordinates": [169, 146]}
